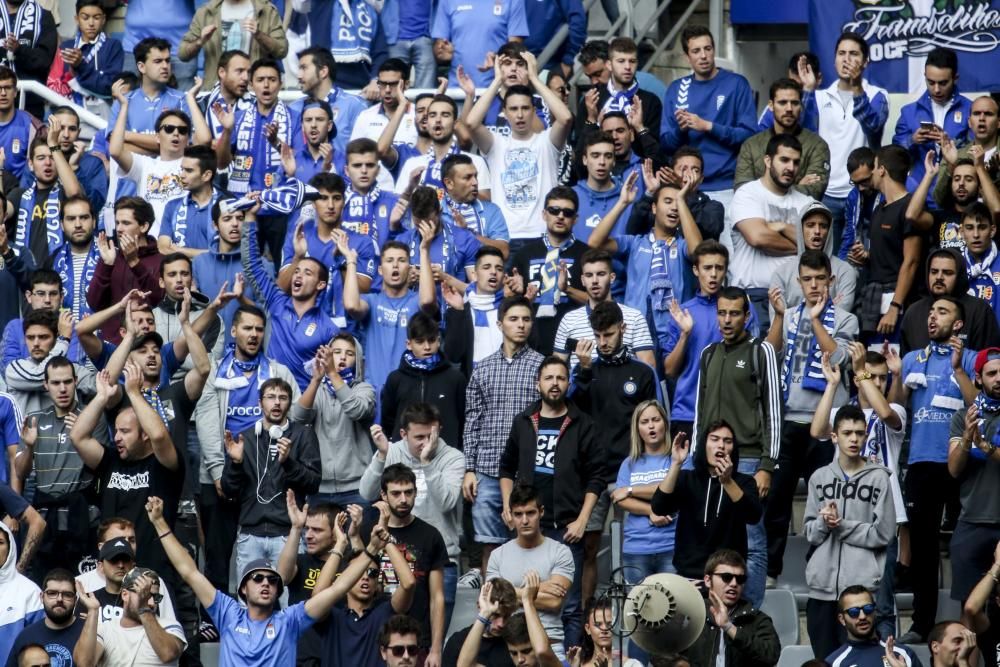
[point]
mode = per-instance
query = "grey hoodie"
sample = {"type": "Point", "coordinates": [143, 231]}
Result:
{"type": "Point", "coordinates": [439, 487]}
{"type": "Point", "coordinates": [854, 551]}
{"type": "Point", "coordinates": [168, 325]}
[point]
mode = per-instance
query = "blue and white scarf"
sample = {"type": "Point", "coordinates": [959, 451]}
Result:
{"type": "Point", "coordinates": [252, 144]}
{"type": "Point", "coordinates": [231, 373]}
{"type": "Point", "coordinates": [352, 29]}
{"type": "Point", "coordinates": [347, 375]}
{"type": "Point", "coordinates": [53, 215]}
{"type": "Point", "coordinates": [183, 212]}
{"type": "Point", "coordinates": [76, 290]}
{"type": "Point", "coordinates": [620, 100]}
{"type": "Point", "coordinates": [482, 305]}
{"type": "Point", "coordinates": [812, 374]}
{"type": "Point", "coordinates": [280, 200]}
{"type": "Point", "coordinates": [27, 28]}
{"type": "Point", "coordinates": [471, 214]}
{"type": "Point", "coordinates": [876, 437]}
{"type": "Point", "coordinates": [215, 95]}
{"type": "Point", "coordinates": [90, 55]}
{"type": "Point", "coordinates": [984, 267]}
{"type": "Point", "coordinates": [549, 295]}
{"type": "Point", "coordinates": [425, 365]}
{"type": "Point", "coordinates": [988, 408]}
{"type": "Point", "coordinates": [359, 211]}
{"type": "Point", "coordinates": [152, 397]}
{"type": "Point", "coordinates": [432, 173]}
{"type": "Point", "coordinates": [661, 287]}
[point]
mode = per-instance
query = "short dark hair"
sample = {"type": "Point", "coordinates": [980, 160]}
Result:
{"type": "Point", "coordinates": [321, 58]}
{"type": "Point", "coordinates": [449, 163]}
{"type": "Point", "coordinates": [422, 327]}
{"type": "Point", "coordinates": [731, 293]}
{"type": "Point", "coordinates": [513, 50]}
{"type": "Point", "coordinates": [850, 413]}
{"type": "Point", "coordinates": [896, 161]}
{"type": "Point", "coordinates": [329, 182]}
{"type": "Point", "coordinates": [41, 140]}
{"type": "Point", "coordinates": [693, 31]}
{"type": "Point", "coordinates": [688, 151]}
{"type": "Point", "coordinates": [229, 55]}
{"type": "Point", "coordinates": [518, 300]}
{"type": "Point", "coordinates": [323, 105]}
{"type": "Point", "coordinates": [855, 589]}
{"type": "Point", "coordinates": [597, 256]}
{"type": "Point", "coordinates": [277, 383]}
{"type": "Point", "coordinates": [622, 45]}
{"type": "Point", "coordinates": [551, 360]}
{"type": "Point", "coordinates": [79, 199]}
{"type": "Point", "coordinates": [424, 202]}
{"type": "Point", "coordinates": [724, 557]}
{"type": "Point", "coordinates": [709, 247]}
{"type": "Point", "coordinates": [7, 74]}
{"type": "Point", "coordinates": [58, 574]}
{"type": "Point", "coordinates": [565, 193]}
{"type": "Point", "coordinates": [246, 309]}
{"type": "Point", "coordinates": [515, 631]}
{"type": "Point", "coordinates": [397, 473]}
{"type": "Point", "coordinates": [594, 138]}
{"type": "Point", "coordinates": [504, 595]}
{"type": "Point", "coordinates": [595, 49]}
{"type": "Point", "coordinates": [420, 413]}
{"type": "Point", "coordinates": [487, 251]}
{"type": "Point", "coordinates": [174, 257]}
{"type": "Point", "coordinates": [329, 510]}
{"type": "Point", "coordinates": [444, 99]}
{"type": "Point", "coordinates": [944, 58]}
{"type": "Point", "coordinates": [524, 494]}
{"type": "Point", "coordinates": [361, 145]}
{"type": "Point", "coordinates": [395, 65]}
{"type": "Point", "coordinates": [204, 155]}
{"type": "Point", "coordinates": [782, 141]}
{"type": "Point", "coordinates": [265, 63]}
{"type": "Point", "coordinates": [716, 425]}
{"type": "Point", "coordinates": [44, 277]}
{"type": "Point", "coordinates": [606, 314]}
{"type": "Point", "coordinates": [853, 37]}
{"type": "Point", "coordinates": [396, 245]}
{"type": "Point", "coordinates": [862, 156]}
{"type": "Point", "coordinates": [811, 58]}
{"type": "Point", "coordinates": [514, 90]}
{"type": "Point", "coordinates": [141, 209]}
{"type": "Point", "coordinates": [936, 635]}
{"type": "Point", "coordinates": [142, 49]}
{"type": "Point", "coordinates": [979, 212]}
{"type": "Point", "coordinates": [784, 83]}
{"type": "Point", "coordinates": [816, 260]}
{"type": "Point", "coordinates": [70, 111]}
{"type": "Point", "coordinates": [80, 4]}
{"type": "Point", "coordinates": [959, 306]}
{"type": "Point", "coordinates": [399, 624]}
{"type": "Point", "coordinates": [59, 362]}
{"type": "Point", "coordinates": [43, 318]}
{"type": "Point", "coordinates": [875, 358]}
{"type": "Point", "coordinates": [177, 113]}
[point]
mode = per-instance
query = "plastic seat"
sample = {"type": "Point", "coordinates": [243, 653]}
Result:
{"type": "Point", "coordinates": [780, 605]}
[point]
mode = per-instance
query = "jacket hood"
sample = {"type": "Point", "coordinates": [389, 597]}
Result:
{"type": "Point", "coordinates": [213, 249]}
{"type": "Point", "coordinates": [961, 276]}
{"type": "Point", "coordinates": [198, 302]}
{"type": "Point", "coordinates": [8, 571]}
{"type": "Point", "coordinates": [359, 360]}
{"type": "Point", "coordinates": [595, 198]}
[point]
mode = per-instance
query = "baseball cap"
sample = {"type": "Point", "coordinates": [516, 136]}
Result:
{"type": "Point", "coordinates": [259, 565]}
{"type": "Point", "coordinates": [132, 575]}
{"type": "Point", "coordinates": [150, 336]}
{"type": "Point", "coordinates": [116, 547]}
{"type": "Point", "coordinates": [816, 207]}
{"type": "Point", "coordinates": [984, 356]}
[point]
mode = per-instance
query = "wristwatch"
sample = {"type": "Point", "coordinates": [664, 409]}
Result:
{"type": "Point", "coordinates": [863, 375]}
{"type": "Point", "coordinates": [629, 492]}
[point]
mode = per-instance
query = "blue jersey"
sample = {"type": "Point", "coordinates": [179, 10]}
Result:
{"type": "Point", "coordinates": [636, 253]}
{"type": "Point", "coordinates": [10, 430]}
{"type": "Point", "coordinates": [934, 398]}
{"type": "Point", "coordinates": [268, 643]}
{"type": "Point", "coordinates": [306, 166]}
{"type": "Point", "coordinates": [346, 108]}
{"type": "Point", "coordinates": [369, 218]}
{"type": "Point", "coordinates": [143, 111]}
{"type": "Point", "coordinates": [187, 224]}
{"type": "Point", "coordinates": [15, 136]}
{"type": "Point", "coordinates": [384, 333]}
{"type": "Point", "coordinates": [485, 219]}
{"type": "Point", "coordinates": [642, 537]}
{"type": "Point", "coordinates": [475, 28]}
{"type": "Point", "coordinates": [404, 152]}
{"type": "Point", "coordinates": [454, 249]}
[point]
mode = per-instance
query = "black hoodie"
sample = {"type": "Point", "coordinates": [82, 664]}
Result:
{"type": "Point", "coordinates": [980, 323]}
{"type": "Point", "coordinates": [707, 520]}
{"type": "Point", "coordinates": [442, 386]}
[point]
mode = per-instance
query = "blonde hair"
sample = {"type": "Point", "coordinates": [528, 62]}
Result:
{"type": "Point", "coordinates": [638, 446]}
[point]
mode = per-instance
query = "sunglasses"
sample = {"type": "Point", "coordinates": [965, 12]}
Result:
{"type": "Point", "coordinates": [400, 649]}
{"type": "Point", "coordinates": [854, 612]}
{"type": "Point", "coordinates": [560, 211]}
{"type": "Point", "coordinates": [179, 129]}
{"type": "Point", "coordinates": [728, 577]}
{"type": "Point", "coordinates": [260, 578]}
{"type": "Point", "coordinates": [373, 573]}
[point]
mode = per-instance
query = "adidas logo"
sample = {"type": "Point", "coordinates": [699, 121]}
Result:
{"type": "Point", "coordinates": [741, 364]}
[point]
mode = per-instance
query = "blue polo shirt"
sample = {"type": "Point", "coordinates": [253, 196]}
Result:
{"type": "Point", "coordinates": [476, 27]}
{"type": "Point", "coordinates": [306, 166]}
{"type": "Point", "coordinates": [383, 331]}
{"type": "Point", "coordinates": [636, 253]}
{"type": "Point", "coordinates": [268, 643]}
{"type": "Point", "coordinates": [187, 224]}
{"type": "Point", "coordinates": [934, 404]}
{"type": "Point", "coordinates": [352, 639]}
{"type": "Point", "coordinates": [345, 107]}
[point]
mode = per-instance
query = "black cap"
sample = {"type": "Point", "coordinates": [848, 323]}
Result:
{"type": "Point", "coordinates": [116, 547]}
{"type": "Point", "coordinates": [151, 336]}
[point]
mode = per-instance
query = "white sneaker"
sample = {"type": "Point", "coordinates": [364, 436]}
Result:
{"type": "Point", "coordinates": [471, 579]}
{"type": "Point", "coordinates": [771, 583]}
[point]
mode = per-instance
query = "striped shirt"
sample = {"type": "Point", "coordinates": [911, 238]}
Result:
{"type": "Point", "coordinates": [500, 388]}
{"type": "Point", "coordinates": [576, 324]}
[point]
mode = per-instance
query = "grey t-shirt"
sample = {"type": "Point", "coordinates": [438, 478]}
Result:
{"type": "Point", "coordinates": [802, 403]}
{"type": "Point", "coordinates": [979, 484]}
{"type": "Point", "coordinates": [511, 561]}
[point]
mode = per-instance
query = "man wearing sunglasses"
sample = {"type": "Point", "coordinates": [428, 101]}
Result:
{"type": "Point", "coordinates": [746, 635]}
{"type": "Point", "coordinates": [858, 616]}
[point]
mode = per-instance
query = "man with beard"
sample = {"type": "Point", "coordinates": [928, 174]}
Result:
{"type": "Point", "coordinates": [858, 616]}
{"type": "Point", "coordinates": [263, 462]}
{"type": "Point", "coordinates": [187, 220]}
{"type": "Point", "coordinates": [393, 155]}
{"type": "Point", "coordinates": [90, 169]}
{"type": "Point", "coordinates": [230, 404]}
{"type": "Point", "coordinates": [736, 634]}
{"type": "Point", "coordinates": [317, 70]}
{"type": "Point", "coordinates": [316, 154]}
{"type": "Point", "coordinates": [46, 336]}
{"type": "Point", "coordinates": [230, 90]}
{"type": "Point", "coordinates": [58, 632]}
{"type": "Point", "coordinates": [76, 260]}
{"type": "Point", "coordinates": [981, 263]}
{"type": "Point", "coordinates": [984, 123]}
{"type": "Point", "coordinates": [393, 75]}
{"type": "Point", "coordinates": [427, 557]}
{"type": "Point", "coordinates": [765, 222]}
{"type": "Point", "coordinates": [970, 184]}
{"type": "Point", "coordinates": [462, 207]}
{"type": "Point", "coordinates": [814, 170]}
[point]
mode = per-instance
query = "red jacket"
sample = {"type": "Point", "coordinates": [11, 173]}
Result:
{"type": "Point", "coordinates": [112, 283]}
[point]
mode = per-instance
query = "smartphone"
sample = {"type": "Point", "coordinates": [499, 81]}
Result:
{"type": "Point", "coordinates": [926, 125]}
{"type": "Point", "coordinates": [571, 344]}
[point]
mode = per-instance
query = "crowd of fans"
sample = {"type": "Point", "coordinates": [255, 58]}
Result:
{"type": "Point", "coordinates": [372, 349]}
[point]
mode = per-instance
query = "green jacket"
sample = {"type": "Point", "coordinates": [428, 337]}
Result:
{"type": "Point", "coordinates": [269, 24]}
{"type": "Point", "coordinates": [942, 190]}
{"type": "Point", "coordinates": [815, 160]}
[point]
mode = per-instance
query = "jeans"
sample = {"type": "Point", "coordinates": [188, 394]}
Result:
{"type": "Point", "coordinates": [761, 306]}
{"type": "Point", "coordinates": [419, 53]}
{"type": "Point", "coordinates": [251, 547]}
{"type": "Point", "coordinates": [184, 72]}
{"type": "Point", "coordinates": [836, 206]}
{"type": "Point", "coordinates": [885, 597]}
{"type": "Point", "coordinates": [487, 521]}
{"type": "Point", "coordinates": [450, 587]}
{"type": "Point", "coordinates": [572, 610]}
{"type": "Point", "coordinates": [637, 567]}
{"type": "Point", "coordinates": [756, 547]}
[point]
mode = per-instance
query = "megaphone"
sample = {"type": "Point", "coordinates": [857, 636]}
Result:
{"type": "Point", "coordinates": [664, 614]}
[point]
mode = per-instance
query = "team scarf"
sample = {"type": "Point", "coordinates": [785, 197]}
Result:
{"type": "Point", "coordinates": [359, 211]}
{"type": "Point", "coordinates": [988, 408]}
{"type": "Point", "coordinates": [184, 211]}
{"type": "Point", "coordinates": [661, 288]}
{"type": "Point", "coordinates": [352, 27]}
{"type": "Point", "coordinates": [471, 214]}
{"type": "Point", "coordinates": [812, 374]}
{"type": "Point", "coordinates": [432, 172]}
{"type": "Point", "coordinates": [549, 295]}
{"type": "Point", "coordinates": [215, 95]}
{"type": "Point", "coordinates": [347, 375]}
{"type": "Point", "coordinates": [89, 56]}
{"type": "Point", "coordinates": [448, 259]}
{"type": "Point", "coordinates": [917, 379]}
{"type": "Point", "coordinates": [76, 290]}
{"type": "Point", "coordinates": [425, 365]}
{"type": "Point", "coordinates": [482, 305]}
{"type": "Point", "coordinates": [876, 438]}
{"type": "Point", "coordinates": [252, 143]}
{"type": "Point", "coordinates": [620, 100]}
{"type": "Point", "coordinates": [280, 200]}
{"type": "Point", "coordinates": [27, 28]}
{"type": "Point", "coordinates": [619, 357]}
{"type": "Point", "coordinates": [152, 397]}
{"type": "Point", "coordinates": [983, 268]}
{"type": "Point", "coordinates": [231, 373]}
{"type": "Point", "coordinates": [53, 215]}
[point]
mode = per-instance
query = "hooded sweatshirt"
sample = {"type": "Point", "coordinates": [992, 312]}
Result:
{"type": "Point", "coordinates": [112, 283]}
{"type": "Point", "coordinates": [842, 288]}
{"type": "Point", "coordinates": [853, 552]}
{"type": "Point", "coordinates": [168, 325]}
{"type": "Point", "coordinates": [439, 487]}
{"type": "Point", "coordinates": [22, 600]}
{"type": "Point", "coordinates": [707, 518]}
{"type": "Point", "coordinates": [595, 205]}
{"type": "Point", "coordinates": [211, 269]}
{"type": "Point", "coordinates": [442, 385]}
{"type": "Point", "coordinates": [341, 420]}
{"type": "Point", "coordinates": [980, 324]}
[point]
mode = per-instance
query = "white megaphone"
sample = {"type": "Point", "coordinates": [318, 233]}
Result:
{"type": "Point", "coordinates": [664, 614]}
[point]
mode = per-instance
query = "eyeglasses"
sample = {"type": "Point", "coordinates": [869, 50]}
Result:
{"type": "Point", "coordinates": [260, 577]}
{"type": "Point", "coordinates": [560, 211]}
{"type": "Point", "coordinates": [55, 595]}
{"type": "Point", "coordinates": [727, 577]}
{"type": "Point", "coordinates": [862, 182]}
{"type": "Point", "coordinates": [400, 649]}
{"type": "Point", "coordinates": [179, 129]}
{"type": "Point", "coordinates": [854, 612]}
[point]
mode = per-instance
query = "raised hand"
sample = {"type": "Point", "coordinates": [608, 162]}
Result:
{"type": "Point", "coordinates": [196, 88]}
{"type": "Point", "coordinates": [154, 509]}
{"type": "Point", "coordinates": [680, 448]}
{"type": "Point", "coordinates": [106, 389]}
{"type": "Point", "coordinates": [718, 609]}
{"type": "Point", "coordinates": [296, 516]}
{"type": "Point", "coordinates": [184, 314]}
{"type": "Point", "coordinates": [88, 600]}
{"type": "Point", "coordinates": [234, 447]}
{"type": "Point", "coordinates": [106, 248]}
{"type": "Point", "coordinates": [777, 299]}
{"type": "Point", "coordinates": [300, 246]}
{"type": "Point", "coordinates": [892, 358]}
{"type": "Point", "coordinates": [133, 377]}
{"type": "Point", "coordinates": [466, 83]}
{"type": "Point", "coordinates": [287, 159]}
{"type": "Point", "coordinates": [806, 74]}
{"type": "Point", "coordinates": [378, 437]}
{"type": "Point", "coordinates": [857, 351]}
{"type": "Point", "coordinates": [590, 99]}
{"type": "Point", "coordinates": [130, 248]}
{"type": "Point", "coordinates": [530, 586]}
{"type": "Point", "coordinates": [629, 191]}
{"type": "Point", "coordinates": [635, 115]}
{"type": "Point", "coordinates": [225, 115]}
{"type": "Point", "coordinates": [682, 316]}
{"type": "Point", "coordinates": [649, 177]}
{"type": "Point", "coordinates": [957, 346]}
{"type": "Point", "coordinates": [816, 310]}
{"type": "Point", "coordinates": [29, 431]}
{"type": "Point", "coordinates": [67, 322]}
{"type": "Point", "coordinates": [120, 91]}
{"type": "Point", "coordinates": [831, 371]}
{"type": "Point", "coordinates": [486, 604]}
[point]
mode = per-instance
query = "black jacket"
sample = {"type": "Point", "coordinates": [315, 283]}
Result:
{"type": "Point", "coordinates": [707, 519]}
{"type": "Point", "coordinates": [652, 116]}
{"type": "Point", "coordinates": [260, 475]}
{"type": "Point", "coordinates": [708, 214]}
{"type": "Point", "coordinates": [609, 394]}
{"type": "Point", "coordinates": [442, 386]}
{"type": "Point", "coordinates": [756, 643]}
{"type": "Point", "coordinates": [579, 463]}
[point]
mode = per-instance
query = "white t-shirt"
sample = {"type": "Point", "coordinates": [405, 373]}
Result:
{"type": "Point", "coordinates": [421, 161]}
{"type": "Point", "coordinates": [371, 122]}
{"type": "Point", "coordinates": [92, 580]}
{"type": "Point", "coordinates": [158, 181]}
{"type": "Point", "coordinates": [130, 647]}
{"type": "Point", "coordinates": [523, 173]}
{"type": "Point", "coordinates": [749, 267]}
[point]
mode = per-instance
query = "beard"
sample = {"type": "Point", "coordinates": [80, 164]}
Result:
{"type": "Point", "coordinates": [59, 615]}
{"type": "Point", "coordinates": [553, 402]}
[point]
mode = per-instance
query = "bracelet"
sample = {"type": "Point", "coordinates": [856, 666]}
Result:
{"type": "Point", "coordinates": [338, 554]}
{"type": "Point", "coordinates": [164, 534]}
{"type": "Point", "coordinates": [898, 305]}
{"type": "Point", "coordinates": [482, 619]}
{"type": "Point", "coordinates": [375, 559]}
{"type": "Point", "coordinates": [144, 610]}
{"type": "Point", "coordinates": [54, 148]}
